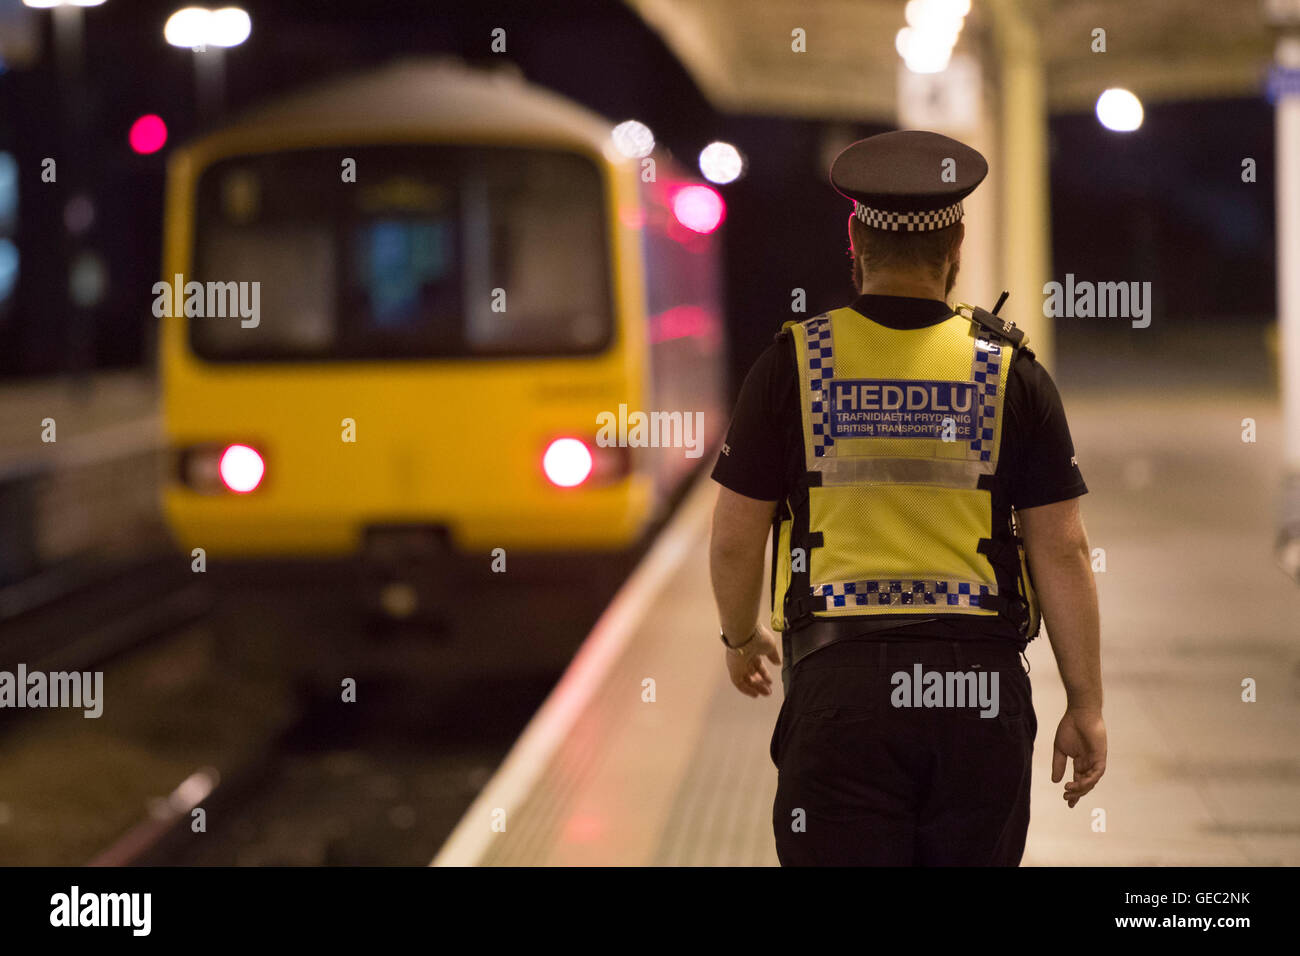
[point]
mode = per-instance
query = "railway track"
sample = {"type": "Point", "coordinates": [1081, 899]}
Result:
{"type": "Point", "coordinates": [310, 780]}
{"type": "Point", "coordinates": [80, 616]}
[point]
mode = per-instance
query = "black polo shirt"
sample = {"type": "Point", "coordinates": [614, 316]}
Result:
{"type": "Point", "coordinates": [764, 453]}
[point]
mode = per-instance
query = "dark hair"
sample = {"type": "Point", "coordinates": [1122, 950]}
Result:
{"type": "Point", "coordinates": [881, 249]}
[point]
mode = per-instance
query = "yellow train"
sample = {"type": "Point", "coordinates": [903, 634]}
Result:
{"type": "Point", "coordinates": [400, 308]}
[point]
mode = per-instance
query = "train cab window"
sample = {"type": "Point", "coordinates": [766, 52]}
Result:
{"type": "Point", "coordinates": [434, 251]}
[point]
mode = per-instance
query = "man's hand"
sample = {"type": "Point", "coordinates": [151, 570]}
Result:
{"type": "Point", "coordinates": [746, 667]}
{"type": "Point", "coordinates": [1081, 735]}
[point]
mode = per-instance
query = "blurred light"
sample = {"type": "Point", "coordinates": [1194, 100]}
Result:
{"type": "Point", "coordinates": [148, 134]}
{"type": "Point", "coordinates": [187, 27]}
{"type": "Point", "coordinates": [633, 139]}
{"type": "Point", "coordinates": [193, 790]}
{"type": "Point", "coordinates": [923, 52]}
{"type": "Point", "coordinates": [87, 279]}
{"type": "Point", "coordinates": [1119, 110]}
{"type": "Point", "coordinates": [199, 27]}
{"type": "Point", "coordinates": [8, 192]}
{"type": "Point", "coordinates": [399, 599]}
{"type": "Point", "coordinates": [241, 468]}
{"type": "Point", "coordinates": [686, 321]}
{"type": "Point", "coordinates": [721, 163]}
{"type": "Point", "coordinates": [926, 43]}
{"type": "Point", "coordinates": [8, 268]}
{"type": "Point", "coordinates": [78, 214]}
{"type": "Point", "coordinates": [567, 462]}
{"type": "Point", "coordinates": [698, 208]}
{"type": "Point", "coordinates": [937, 15]}
{"type": "Point", "coordinates": [47, 4]}
{"type": "Point", "coordinates": [229, 26]}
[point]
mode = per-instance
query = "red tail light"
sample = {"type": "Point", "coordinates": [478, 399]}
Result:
{"type": "Point", "coordinates": [241, 468]}
{"type": "Point", "coordinates": [567, 462]}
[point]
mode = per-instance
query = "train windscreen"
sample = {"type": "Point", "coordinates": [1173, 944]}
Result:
{"type": "Point", "coordinates": [399, 252]}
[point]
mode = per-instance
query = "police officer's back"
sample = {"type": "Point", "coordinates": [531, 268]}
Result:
{"type": "Point", "coordinates": [915, 466]}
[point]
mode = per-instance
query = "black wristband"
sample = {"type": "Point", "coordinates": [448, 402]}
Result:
{"type": "Point", "coordinates": [736, 647]}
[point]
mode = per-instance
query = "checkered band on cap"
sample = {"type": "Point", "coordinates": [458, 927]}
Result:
{"type": "Point", "coordinates": [910, 221]}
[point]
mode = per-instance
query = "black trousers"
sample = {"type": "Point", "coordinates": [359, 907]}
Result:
{"type": "Point", "coordinates": [865, 782]}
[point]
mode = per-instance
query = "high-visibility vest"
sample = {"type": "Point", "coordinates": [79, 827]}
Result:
{"type": "Point", "coordinates": [894, 512]}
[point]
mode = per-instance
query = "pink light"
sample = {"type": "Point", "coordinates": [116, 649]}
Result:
{"type": "Point", "coordinates": [698, 208]}
{"type": "Point", "coordinates": [684, 321]}
{"type": "Point", "coordinates": [148, 134]}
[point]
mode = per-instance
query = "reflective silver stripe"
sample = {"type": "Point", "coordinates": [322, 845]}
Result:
{"type": "Point", "coordinates": [908, 471]}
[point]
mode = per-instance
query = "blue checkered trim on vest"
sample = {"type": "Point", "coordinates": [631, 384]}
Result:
{"type": "Point", "coordinates": [821, 367]}
{"type": "Point", "coordinates": [901, 593]}
{"type": "Point", "coordinates": [985, 371]}
{"type": "Point", "coordinates": [986, 367]}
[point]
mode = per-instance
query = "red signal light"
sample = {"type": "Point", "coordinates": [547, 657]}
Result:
{"type": "Point", "coordinates": [698, 208]}
{"type": "Point", "coordinates": [148, 134]}
{"type": "Point", "coordinates": [241, 468]}
{"type": "Point", "coordinates": [567, 462]}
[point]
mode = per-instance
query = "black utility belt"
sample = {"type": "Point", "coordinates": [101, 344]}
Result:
{"type": "Point", "coordinates": [822, 632]}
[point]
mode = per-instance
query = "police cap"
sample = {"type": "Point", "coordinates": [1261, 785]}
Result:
{"type": "Point", "coordinates": [910, 179]}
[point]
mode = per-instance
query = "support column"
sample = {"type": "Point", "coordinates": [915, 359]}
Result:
{"type": "Point", "coordinates": [1287, 135]}
{"type": "Point", "coordinates": [1025, 248]}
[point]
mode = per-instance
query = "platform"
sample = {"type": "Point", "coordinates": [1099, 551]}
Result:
{"type": "Point", "coordinates": [1191, 604]}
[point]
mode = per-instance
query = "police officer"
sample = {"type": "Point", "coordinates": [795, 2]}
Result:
{"type": "Point", "coordinates": [914, 466]}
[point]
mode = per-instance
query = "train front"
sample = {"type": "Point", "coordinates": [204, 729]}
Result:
{"type": "Point", "coordinates": [402, 345]}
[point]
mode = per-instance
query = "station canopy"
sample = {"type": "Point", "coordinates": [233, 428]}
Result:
{"type": "Point", "coordinates": [739, 51]}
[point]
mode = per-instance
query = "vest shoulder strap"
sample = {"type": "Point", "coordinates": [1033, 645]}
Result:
{"type": "Point", "coordinates": [787, 327]}
{"type": "Point", "coordinates": [1003, 328]}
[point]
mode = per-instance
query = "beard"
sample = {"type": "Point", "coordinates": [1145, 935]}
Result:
{"type": "Point", "coordinates": [952, 278]}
